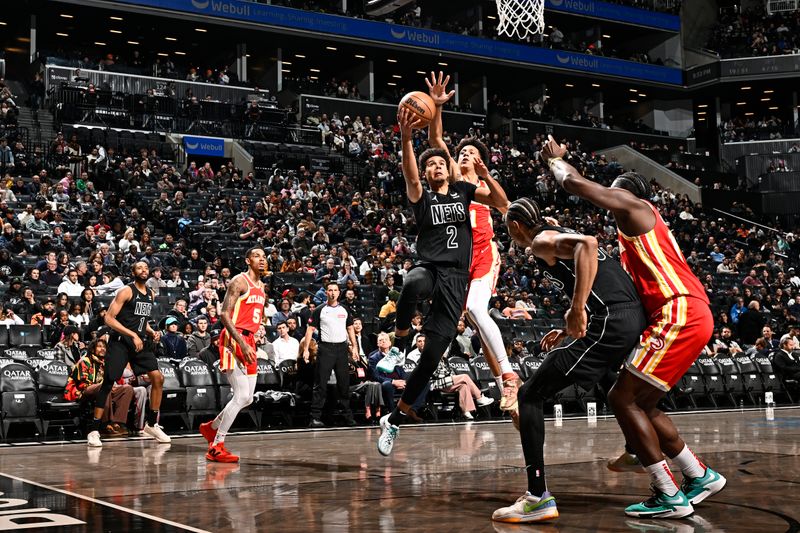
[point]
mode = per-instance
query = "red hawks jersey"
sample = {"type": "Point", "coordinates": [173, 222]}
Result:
{"type": "Point", "coordinates": [249, 308]}
{"type": "Point", "coordinates": [482, 227]}
{"type": "Point", "coordinates": [657, 266]}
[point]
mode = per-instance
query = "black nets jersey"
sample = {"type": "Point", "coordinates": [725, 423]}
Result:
{"type": "Point", "coordinates": [612, 285]}
{"type": "Point", "coordinates": [136, 312]}
{"type": "Point", "coordinates": [445, 230]}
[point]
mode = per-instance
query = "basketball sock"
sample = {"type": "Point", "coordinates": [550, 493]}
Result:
{"type": "Point", "coordinates": [499, 381]}
{"type": "Point", "coordinates": [217, 421]}
{"type": "Point", "coordinates": [152, 417]}
{"type": "Point", "coordinates": [397, 417]}
{"type": "Point", "coordinates": [537, 483]}
{"type": "Point", "coordinates": [689, 464]}
{"type": "Point", "coordinates": [661, 477]}
{"type": "Point", "coordinates": [401, 342]}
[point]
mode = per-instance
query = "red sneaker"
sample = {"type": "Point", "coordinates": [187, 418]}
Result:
{"type": "Point", "coordinates": [208, 432]}
{"type": "Point", "coordinates": [219, 454]}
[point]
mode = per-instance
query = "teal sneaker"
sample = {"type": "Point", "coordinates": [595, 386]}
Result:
{"type": "Point", "coordinates": [660, 505]}
{"type": "Point", "coordinates": [698, 489]}
{"type": "Point", "coordinates": [528, 508]}
{"type": "Point", "coordinates": [391, 360]}
{"type": "Point", "coordinates": [388, 435]}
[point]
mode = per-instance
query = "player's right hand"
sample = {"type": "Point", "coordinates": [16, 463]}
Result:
{"type": "Point", "coordinates": [138, 344]}
{"type": "Point", "coordinates": [248, 354]}
{"type": "Point", "coordinates": [552, 149]}
{"type": "Point", "coordinates": [552, 339]}
{"type": "Point", "coordinates": [437, 88]}
{"type": "Point", "coordinates": [408, 122]}
{"type": "Point", "coordinates": [576, 322]}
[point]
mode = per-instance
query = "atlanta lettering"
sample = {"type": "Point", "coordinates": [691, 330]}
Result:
{"type": "Point", "coordinates": [255, 299]}
{"type": "Point", "coordinates": [448, 213]}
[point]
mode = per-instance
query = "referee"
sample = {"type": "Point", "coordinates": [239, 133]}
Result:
{"type": "Point", "coordinates": [335, 324]}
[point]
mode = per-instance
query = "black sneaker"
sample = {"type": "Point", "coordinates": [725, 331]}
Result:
{"type": "Point", "coordinates": [316, 423]}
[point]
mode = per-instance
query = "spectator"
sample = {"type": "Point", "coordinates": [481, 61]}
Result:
{"type": "Point", "coordinates": [392, 382]}
{"type": "Point", "coordinates": [173, 344]}
{"type": "Point", "coordinates": [285, 346]}
{"type": "Point", "coordinates": [69, 347]}
{"type": "Point", "coordinates": [70, 286]}
{"type": "Point", "coordinates": [750, 323]}
{"type": "Point", "coordinates": [199, 339]}
{"type": "Point", "coordinates": [446, 380]}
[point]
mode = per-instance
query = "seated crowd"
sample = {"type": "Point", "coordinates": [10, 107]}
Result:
{"type": "Point", "coordinates": [71, 231]}
{"type": "Point", "coordinates": [753, 32]}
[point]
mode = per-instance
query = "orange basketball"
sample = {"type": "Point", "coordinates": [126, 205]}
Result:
{"type": "Point", "coordinates": [419, 103]}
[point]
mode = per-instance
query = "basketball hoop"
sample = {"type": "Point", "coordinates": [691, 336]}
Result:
{"type": "Point", "coordinates": [520, 18]}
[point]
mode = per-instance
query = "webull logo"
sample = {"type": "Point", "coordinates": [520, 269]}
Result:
{"type": "Point", "coordinates": [228, 8]}
{"type": "Point", "coordinates": [583, 6]}
{"type": "Point", "coordinates": [578, 61]}
{"type": "Point", "coordinates": [415, 36]}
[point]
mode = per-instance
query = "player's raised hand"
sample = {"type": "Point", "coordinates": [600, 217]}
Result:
{"type": "Point", "coordinates": [480, 167]}
{"type": "Point", "coordinates": [408, 122]}
{"type": "Point", "coordinates": [552, 149]}
{"type": "Point", "coordinates": [437, 88]}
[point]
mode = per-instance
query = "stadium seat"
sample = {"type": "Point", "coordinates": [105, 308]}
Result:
{"type": "Point", "coordinates": [19, 396]}
{"type": "Point", "coordinates": [25, 335]}
{"type": "Point", "coordinates": [712, 379]}
{"type": "Point", "coordinates": [52, 378]}
{"type": "Point", "coordinates": [751, 379]}
{"type": "Point", "coordinates": [270, 379]}
{"type": "Point", "coordinates": [485, 382]}
{"type": "Point", "coordinates": [690, 386]}
{"type": "Point", "coordinates": [530, 365]}
{"type": "Point", "coordinates": [173, 398]}
{"type": "Point", "coordinates": [734, 387]}
{"type": "Point", "coordinates": [772, 382]}
{"type": "Point", "coordinates": [201, 394]}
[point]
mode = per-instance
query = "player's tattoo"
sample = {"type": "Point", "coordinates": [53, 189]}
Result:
{"type": "Point", "coordinates": [235, 290]}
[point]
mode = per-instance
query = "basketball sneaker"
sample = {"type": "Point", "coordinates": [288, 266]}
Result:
{"type": "Point", "coordinates": [207, 431]}
{"type": "Point", "coordinates": [528, 508]}
{"type": "Point", "coordinates": [394, 358]}
{"type": "Point", "coordinates": [698, 489]}
{"type": "Point", "coordinates": [219, 454]}
{"type": "Point", "coordinates": [157, 432]}
{"type": "Point", "coordinates": [388, 435]}
{"type": "Point", "coordinates": [626, 463]}
{"type": "Point", "coordinates": [483, 401]}
{"type": "Point", "coordinates": [661, 505]}
{"type": "Point", "coordinates": [511, 385]}
{"type": "Point", "coordinates": [93, 439]}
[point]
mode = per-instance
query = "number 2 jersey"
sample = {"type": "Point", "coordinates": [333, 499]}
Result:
{"type": "Point", "coordinates": [443, 226]}
{"type": "Point", "coordinates": [249, 307]}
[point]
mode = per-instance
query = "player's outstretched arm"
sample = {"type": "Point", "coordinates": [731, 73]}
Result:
{"type": "Point", "coordinates": [407, 124]}
{"type": "Point", "coordinates": [620, 202]}
{"type": "Point", "coordinates": [493, 194]}
{"type": "Point", "coordinates": [582, 249]}
{"type": "Point", "coordinates": [437, 89]}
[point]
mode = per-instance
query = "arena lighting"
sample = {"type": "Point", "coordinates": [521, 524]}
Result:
{"type": "Point", "coordinates": [99, 43]}
{"type": "Point", "coordinates": [741, 103]}
{"type": "Point", "coordinates": [701, 112]}
{"type": "Point", "coordinates": [393, 84]}
{"type": "Point", "coordinates": [422, 72]}
{"type": "Point", "coordinates": [333, 48]}
{"type": "Point", "coordinates": [286, 71]}
{"type": "Point", "coordinates": [702, 106]}
{"type": "Point", "coordinates": [170, 39]}
{"type": "Point", "coordinates": [633, 90]}
{"type": "Point", "coordinates": [643, 95]}
{"type": "Point", "coordinates": [749, 114]}
{"type": "Point", "coordinates": [701, 120]}
{"type": "Point", "coordinates": [442, 64]}
{"type": "Point", "coordinates": [765, 99]}
{"type": "Point", "coordinates": [746, 88]}
{"type": "Point", "coordinates": [164, 54]}
{"type": "Point", "coordinates": [114, 31]}
{"type": "Point", "coordinates": [3, 24]}
{"type": "Point", "coordinates": [115, 18]}
{"type": "Point", "coordinates": [359, 56]}
{"type": "Point", "coordinates": [595, 85]}
{"type": "Point", "coordinates": [768, 91]}
{"type": "Point", "coordinates": [633, 101]}
{"type": "Point", "coordinates": [65, 16]}
{"type": "Point", "coordinates": [300, 56]}
{"type": "Point", "coordinates": [773, 108]}
{"type": "Point", "coordinates": [286, 62]}
{"type": "Point", "coordinates": [179, 53]}
{"type": "Point", "coordinates": [313, 77]}
{"type": "Point", "coordinates": [392, 60]}
{"type": "Point", "coordinates": [63, 34]}
{"type": "Point", "coordinates": [568, 85]}
{"type": "Point", "coordinates": [202, 30]}
{"type": "Point", "coordinates": [606, 36]}
{"type": "Point", "coordinates": [313, 70]}
{"type": "Point", "coordinates": [491, 17]}
{"type": "Point", "coordinates": [398, 76]}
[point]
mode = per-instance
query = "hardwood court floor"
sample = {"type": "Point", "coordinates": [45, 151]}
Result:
{"type": "Point", "coordinates": [440, 478]}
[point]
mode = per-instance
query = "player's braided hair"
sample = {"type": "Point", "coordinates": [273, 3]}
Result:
{"type": "Point", "coordinates": [525, 211]}
{"type": "Point", "coordinates": [483, 151]}
{"type": "Point", "coordinates": [633, 182]}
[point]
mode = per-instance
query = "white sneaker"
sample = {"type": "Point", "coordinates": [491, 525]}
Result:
{"type": "Point", "coordinates": [93, 439]}
{"type": "Point", "coordinates": [528, 508]}
{"type": "Point", "coordinates": [468, 415]}
{"type": "Point", "coordinates": [157, 432]}
{"type": "Point", "coordinates": [483, 401]}
{"type": "Point", "coordinates": [391, 360]}
{"type": "Point", "coordinates": [388, 435]}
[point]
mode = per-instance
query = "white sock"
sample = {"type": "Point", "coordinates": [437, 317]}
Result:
{"type": "Point", "coordinates": [499, 381]}
{"type": "Point", "coordinates": [689, 464]}
{"type": "Point", "coordinates": [662, 479]}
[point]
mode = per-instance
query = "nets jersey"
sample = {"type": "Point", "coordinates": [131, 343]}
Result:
{"type": "Point", "coordinates": [249, 307]}
{"type": "Point", "coordinates": [611, 285]}
{"type": "Point", "coordinates": [482, 227]}
{"type": "Point", "coordinates": [443, 223]}
{"type": "Point", "coordinates": [137, 311]}
{"type": "Point", "coordinates": [657, 266]}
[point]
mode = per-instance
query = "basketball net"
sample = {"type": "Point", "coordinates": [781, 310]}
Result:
{"type": "Point", "coordinates": [520, 18]}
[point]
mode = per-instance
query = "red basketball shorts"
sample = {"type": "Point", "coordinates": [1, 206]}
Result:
{"type": "Point", "coordinates": [230, 353]}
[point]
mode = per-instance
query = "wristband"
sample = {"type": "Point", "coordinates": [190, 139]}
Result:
{"type": "Point", "coordinates": [553, 160]}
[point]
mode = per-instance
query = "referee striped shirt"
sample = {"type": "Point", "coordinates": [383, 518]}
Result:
{"type": "Point", "coordinates": [331, 322]}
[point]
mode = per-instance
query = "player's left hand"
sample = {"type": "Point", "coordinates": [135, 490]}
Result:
{"type": "Point", "coordinates": [552, 339]}
{"type": "Point", "coordinates": [576, 322]}
{"type": "Point", "coordinates": [408, 122]}
{"type": "Point", "coordinates": [437, 88]}
{"type": "Point", "coordinates": [480, 167]}
{"type": "Point", "coordinates": [552, 149]}
{"type": "Point", "coordinates": [156, 336]}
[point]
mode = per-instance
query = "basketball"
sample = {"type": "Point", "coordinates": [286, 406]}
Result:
{"type": "Point", "coordinates": [420, 104]}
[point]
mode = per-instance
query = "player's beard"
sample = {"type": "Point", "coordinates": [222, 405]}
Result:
{"type": "Point", "coordinates": [142, 278]}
